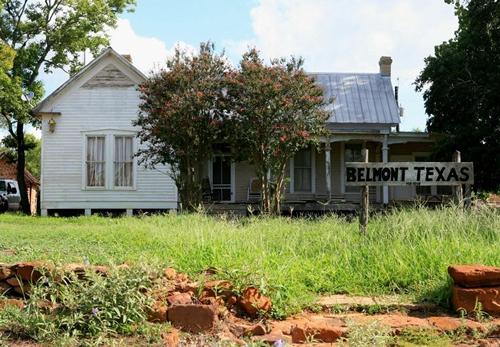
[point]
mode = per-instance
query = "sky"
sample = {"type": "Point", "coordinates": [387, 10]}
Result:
{"type": "Point", "coordinates": [331, 35]}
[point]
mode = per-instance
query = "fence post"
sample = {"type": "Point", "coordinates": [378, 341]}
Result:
{"type": "Point", "coordinates": [363, 214]}
{"type": "Point", "coordinates": [457, 190]}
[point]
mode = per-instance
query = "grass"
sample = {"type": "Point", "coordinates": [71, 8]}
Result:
{"type": "Point", "coordinates": [404, 252]}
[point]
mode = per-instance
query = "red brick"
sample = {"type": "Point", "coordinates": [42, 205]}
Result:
{"type": "Point", "coordinates": [253, 302]}
{"type": "Point", "coordinates": [158, 313]}
{"type": "Point", "coordinates": [31, 271]}
{"type": "Point", "coordinates": [465, 298]}
{"type": "Point", "coordinates": [317, 332]}
{"type": "Point", "coordinates": [180, 299]}
{"type": "Point", "coordinates": [192, 318]}
{"type": "Point", "coordinates": [475, 276]}
{"type": "Point", "coordinates": [11, 302]}
{"type": "Point", "coordinates": [5, 271]}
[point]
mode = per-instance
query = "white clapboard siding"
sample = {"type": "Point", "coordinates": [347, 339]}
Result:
{"type": "Point", "coordinates": [95, 109]}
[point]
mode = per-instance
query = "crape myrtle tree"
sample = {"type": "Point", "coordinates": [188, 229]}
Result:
{"type": "Point", "coordinates": [461, 84]}
{"type": "Point", "coordinates": [276, 110]}
{"type": "Point", "coordinates": [181, 114]}
{"type": "Point", "coordinates": [45, 35]}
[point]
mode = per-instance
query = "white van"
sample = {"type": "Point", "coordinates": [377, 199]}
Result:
{"type": "Point", "coordinates": [10, 199]}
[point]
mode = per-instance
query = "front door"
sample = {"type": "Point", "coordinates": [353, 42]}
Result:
{"type": "Point", "coordinates": [222, 178]}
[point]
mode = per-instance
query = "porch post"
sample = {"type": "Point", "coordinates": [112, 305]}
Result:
{"type": "Point", "coordinates": [385, 159]}
{"type": "Point", "coordinates": [328, 167]}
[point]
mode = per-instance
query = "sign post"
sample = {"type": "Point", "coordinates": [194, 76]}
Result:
{"type": "Point", "coordinates": [364, 213]}
{"type": "Point", "coordinates": [457, 190]}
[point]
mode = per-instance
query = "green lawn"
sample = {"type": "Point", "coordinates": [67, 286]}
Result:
{"type": "Point", "coordinates": [404, 252]}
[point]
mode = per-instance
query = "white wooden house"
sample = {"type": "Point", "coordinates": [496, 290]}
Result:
{"type": "Point", "coordinates": [88, 143]}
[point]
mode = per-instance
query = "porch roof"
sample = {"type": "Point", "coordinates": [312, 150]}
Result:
{"type": "Point", "coordinates": [359, 98]}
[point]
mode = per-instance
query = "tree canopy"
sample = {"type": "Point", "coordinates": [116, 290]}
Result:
{"type": "Point", "coordinates": [461, 84]}
{"type": "Point", "coordinates": [277, 110]}
{"type": "Point", "coordinates": [44, 36]}
{"type": "Point", "coordinates": [182, 111]}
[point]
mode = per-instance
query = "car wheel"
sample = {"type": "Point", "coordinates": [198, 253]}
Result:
{"type": "Point", "coordinates": [4, 206]}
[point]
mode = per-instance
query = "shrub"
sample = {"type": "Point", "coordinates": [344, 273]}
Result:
{"type": "Point", "coordinates": [69, 307]}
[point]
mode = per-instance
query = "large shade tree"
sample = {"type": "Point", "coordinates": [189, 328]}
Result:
{"type": "Point", "coordinates": [461, 84]}
{"type": "Point", "coordinates": [181, 114]}
{"type": "Point", "coordinates": [277, 110]}
{"type": "Point", "coordinates": [44, 36]}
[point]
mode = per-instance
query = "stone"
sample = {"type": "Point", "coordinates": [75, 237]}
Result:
{"type": "Point", "coordinates": [475, 276]}
{"type": "Point", "coordinates": [5, 271]}
{"type": "Point", "coordinates": [171, 339]}
{"type": "Point", "coordinates": [23, 290]}
{"type": "Point", "coordinates": [4, 287]}
{"type": "Point", "coordinates": [158, 313]}
{"type": "Point", "coordinates": [169, 273]}
{"type": "Point", "coordinates": [256, 330]}
{"type": "Point", "coordinates": [11, 302]}
{"type": "Point", "coordinates": [254, 303]}
{"type": "Point", "coordinates": [466, 299]}
{"type": "Point", "coordinates": [14, 282]}
{"type": "Point", "coordinates": [192, 318]}
{"type": "Point", "coordinates": [493, 342]}
{"type": "Point", "coordinates": [316, 332]}
{"type": "Point", "coordinates": [447, 324]}
{"type": "Point", "coordinates": [30, 271]}
{"type": "Point", "coordinates": [179, 299]}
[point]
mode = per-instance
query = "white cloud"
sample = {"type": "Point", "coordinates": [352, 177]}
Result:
{"type": "Point", "coordinates": [351, 35]}
{"type": "Point", "coordinates": [147, 52]}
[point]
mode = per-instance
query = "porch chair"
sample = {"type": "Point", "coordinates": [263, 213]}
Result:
{"type": "Point", "coordinates": [254, 189]}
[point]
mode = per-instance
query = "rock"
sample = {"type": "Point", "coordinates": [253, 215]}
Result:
{"type": "Point", "coordinates": [253, 302]}
{"type": "Point", "coordinates": [30, 271]}
{"type": "Point", "coordinates": [5, 271]}
{"type": "Point", "coordinates": [4, 288]}
{"type": "Point", "coordinates": [23, 290]}
{"type": "Point", "coordinates": [192, 318]}
{"type": "Point", "coordinates": [11, 302]}
{"type": "Point", "coordinates": [158, 313]}
{"type": "Point", "coordinates": [493, 342]}
{"type": "Point", "coordinates": [180, 299]}
{"type": "Point", "coordinates": [475, 276]}
{"type": "Point", "coordinates": [171, 339]}
{"type": "Point", "coordinates": [256, 330]}
{"type": "Point", "coordinates": [169, 273]}
{"type": "Point", "coordinates": [316, 332]}
{"type": "Point", "coordinates": [447, 324]}
{"type": "Point", "coordinates": [14, 282]}
{"type": "Point", "coordinates": [466, 298]}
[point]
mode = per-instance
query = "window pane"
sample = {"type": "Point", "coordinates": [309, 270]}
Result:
{"type": "Point", "coordinates": [2, 186]}
{"type": "Point", "coordinates": [302, 179]}
{"type": "Point", "coordinates": [95, 161]}
{"type": "Point", "coordinates": [302, 158]}
{"type": "Point", "coordinates": [124, 160]}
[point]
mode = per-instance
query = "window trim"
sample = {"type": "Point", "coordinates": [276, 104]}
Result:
{"type": "Point", "coordinates": [109, 145]}
{"type": "Point", "coordinates": [134, 163]}
{"type": "Point", "coordinates": [312, 151]}
{"type": "Point", "coordinates": [84, 162]}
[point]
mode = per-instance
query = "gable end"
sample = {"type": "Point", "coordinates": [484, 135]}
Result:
{"type": "Point", "coordinates": [110, 76]}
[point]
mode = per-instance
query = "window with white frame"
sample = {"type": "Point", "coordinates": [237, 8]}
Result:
{"type": "Point", "coordinates": [302, 171]}
{"type": "Point", "coordinates": [96, 161]}
{"type": "Point", "coordinates": [124, 161]}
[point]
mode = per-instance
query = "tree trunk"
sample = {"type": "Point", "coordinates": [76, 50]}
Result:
{"type": "Point", "coordinates": [21, 164]}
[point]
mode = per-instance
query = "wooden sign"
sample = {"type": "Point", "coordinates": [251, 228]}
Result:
{"type": "Point", "coordinates": [409, 173]}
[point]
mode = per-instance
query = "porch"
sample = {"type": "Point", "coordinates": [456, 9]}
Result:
{"type": "Point", "coordinates": [315, 177]}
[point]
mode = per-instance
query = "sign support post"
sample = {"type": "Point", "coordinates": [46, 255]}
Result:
{"type": "Point", "coordinates": [363, 215]}
{"type": "Point", "coordinates": [457, 190]}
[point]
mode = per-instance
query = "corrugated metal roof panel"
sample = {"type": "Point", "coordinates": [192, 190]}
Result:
{"type": "Point", "coordinates": [359, 97]}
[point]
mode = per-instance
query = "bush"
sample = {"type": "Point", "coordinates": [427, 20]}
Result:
{"type": "Point", "coordinates": [73, 308]}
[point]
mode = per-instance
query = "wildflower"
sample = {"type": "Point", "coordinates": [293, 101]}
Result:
{"type": "Point", "coordinates": [279, 343]}
{"type": "Point", "coordinates": [95, 311]}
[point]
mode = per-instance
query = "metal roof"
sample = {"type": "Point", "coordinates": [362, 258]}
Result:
{"type": "Point", "coordinates": [359, 97]}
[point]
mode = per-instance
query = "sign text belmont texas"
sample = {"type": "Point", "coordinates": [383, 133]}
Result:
{"type": "Point", "coordinates": [409, 173]}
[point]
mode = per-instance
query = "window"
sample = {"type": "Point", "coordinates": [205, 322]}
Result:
{"type": "Point", "coordinates": [352, 153]}
{"type": "Point", "coordinates": [2, 186]}
{"type": "Point", "coordinates": [96, 161]}
{"type": "Point", "coordinates": [124, 161]}
{"type": "Point", "coordinates": [302, 171]}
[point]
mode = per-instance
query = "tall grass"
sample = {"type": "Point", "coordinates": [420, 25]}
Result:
{"type": "Point", "coordinates": [406, 251]}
